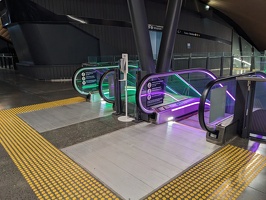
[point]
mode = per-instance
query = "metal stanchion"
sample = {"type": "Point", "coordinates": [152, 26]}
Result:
{"type": "Point", "coordinates": [124, 70]}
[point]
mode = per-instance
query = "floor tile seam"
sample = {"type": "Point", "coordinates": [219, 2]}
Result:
{"type": "Point", "coordinates": [191, 148]}
{"type": "Point", "coordinates": [257, 190]}
{"type": "Point", "coordinates": [140, 160]}
{"type": "Point", "coordinates": [151, 169]}
{"type": "Point", "coordinates": [158, 157]}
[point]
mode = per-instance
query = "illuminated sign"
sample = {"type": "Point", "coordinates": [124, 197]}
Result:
{"type": "Point", "coordinates": [155, 92]}
{"type": "Point", "coordinates": [89, 77]}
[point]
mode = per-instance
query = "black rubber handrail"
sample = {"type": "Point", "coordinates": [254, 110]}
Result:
{"type": "Point", "coordinates": [206, 92]}
{"type": "Point", "coordinates": [179, 72]}
{"type": "Point", "coordinates": [100, 86]}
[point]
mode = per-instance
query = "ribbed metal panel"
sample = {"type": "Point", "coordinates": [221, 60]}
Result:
{"type": "Point", "coordinates": [121, 38]}
{"type": "Point", "coordinates": [102, 9]}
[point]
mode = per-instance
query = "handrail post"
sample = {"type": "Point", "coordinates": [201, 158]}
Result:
{"type": "Point", "coordinates": [222, 66]}
{"type": "Point", "coordinates": [208, 61]}
{"type": "Point", "coordinates": [190, 61]}
{"type": "Point", "coordinates": [231, 65]}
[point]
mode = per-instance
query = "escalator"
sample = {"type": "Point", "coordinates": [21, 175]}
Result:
{"type": "Point", "coordinates": [228, 98]}
{"type": "Point", "coordinates": [172, 95]}
{"type": "Point", "coordinates": [193, 97]}
{"type": "Point", "coordinates": [97, 81]}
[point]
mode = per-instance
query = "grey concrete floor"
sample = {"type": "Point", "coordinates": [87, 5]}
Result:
{"type": "Point", "coordinates": [17, 90]}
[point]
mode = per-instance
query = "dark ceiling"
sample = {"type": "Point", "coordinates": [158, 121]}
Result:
{"type": "Point", "coordinates": [248, 14]}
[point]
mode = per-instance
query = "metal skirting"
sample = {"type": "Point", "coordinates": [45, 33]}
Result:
{"type": "Point", "coordinates": [223, 175]}
{"type": "Point", "coordinates": [50, 173]}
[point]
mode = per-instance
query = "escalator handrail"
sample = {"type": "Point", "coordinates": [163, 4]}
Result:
{"type": "Point", "coordinates": [100, 86]}
{"type": "Point", "coordinates": [165, 74]}
{"type": "Point", "coordinates": [206, 92]}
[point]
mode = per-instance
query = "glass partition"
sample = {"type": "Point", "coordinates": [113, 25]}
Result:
{"type": "Point", "coordinates": [256, 124]}
{"type": "Point", "coordinates": [260, 95]}
{"type": "Point", "coordinates": [86, 79]}
{"type": "Point", "coordinates": [106, 85]}
{"type": "Point", "coordinates": [222, 64]}
{"type": "Point", "coordinates": [221, 97]}
{"type": "Point", "coordinates": [111, 60]}
{"type": "Point", "coordinates": [220, 94]}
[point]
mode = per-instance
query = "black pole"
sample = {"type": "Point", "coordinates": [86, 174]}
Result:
{"type": "Point", "coordinates": [208, 61]}
{"type": "Point", "coordinates": [252, 66]}
{"type": "Point", "coordinates": [222, 66]}
{"type": "Point", "coordinates": [231, 65]}
{"type": "Point", "coordinates": [169, 34]}
{"type": "Point", "coordinates": [141, 33]}
{"type": "Point", "coordinates": [117, 92]}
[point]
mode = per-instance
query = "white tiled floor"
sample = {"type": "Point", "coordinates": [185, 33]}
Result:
{"type": "Point", "coordinates": [136, 160]}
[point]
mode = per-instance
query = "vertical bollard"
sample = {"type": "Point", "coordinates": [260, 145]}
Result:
{"type": "Point", "coordinates": [124, 70]}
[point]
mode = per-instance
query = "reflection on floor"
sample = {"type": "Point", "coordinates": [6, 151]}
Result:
{"type": "Point", "coordinates": [192, 121]}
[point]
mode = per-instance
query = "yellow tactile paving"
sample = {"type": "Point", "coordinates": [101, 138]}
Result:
{"type": "Point", "coordinates": [49, 172]}
{"type": "Point", "coordinates": [223, 175]}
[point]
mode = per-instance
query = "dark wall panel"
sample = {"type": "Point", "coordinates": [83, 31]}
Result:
{"type": "Point", "coordinates": [122, 39]}
{"type": "Point", "coordinates": [21, 44]}
{"type": "Point", "coordinates": [52, 44]}
{"type": "Point", "coordinates": [198, 45]}
{"type": "Point", "coordinates": [195, 22]}
{"type": "Point", "coordinates": [155, 12]}
{"type": "Point", "coordinates": [102, 9]}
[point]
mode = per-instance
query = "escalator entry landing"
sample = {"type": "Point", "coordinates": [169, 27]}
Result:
{"type": "Point", "coordinates": [176, 110]}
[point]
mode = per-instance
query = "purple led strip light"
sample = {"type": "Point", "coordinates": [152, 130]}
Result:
{"type": "Point", "coordinates": [188, 105]}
